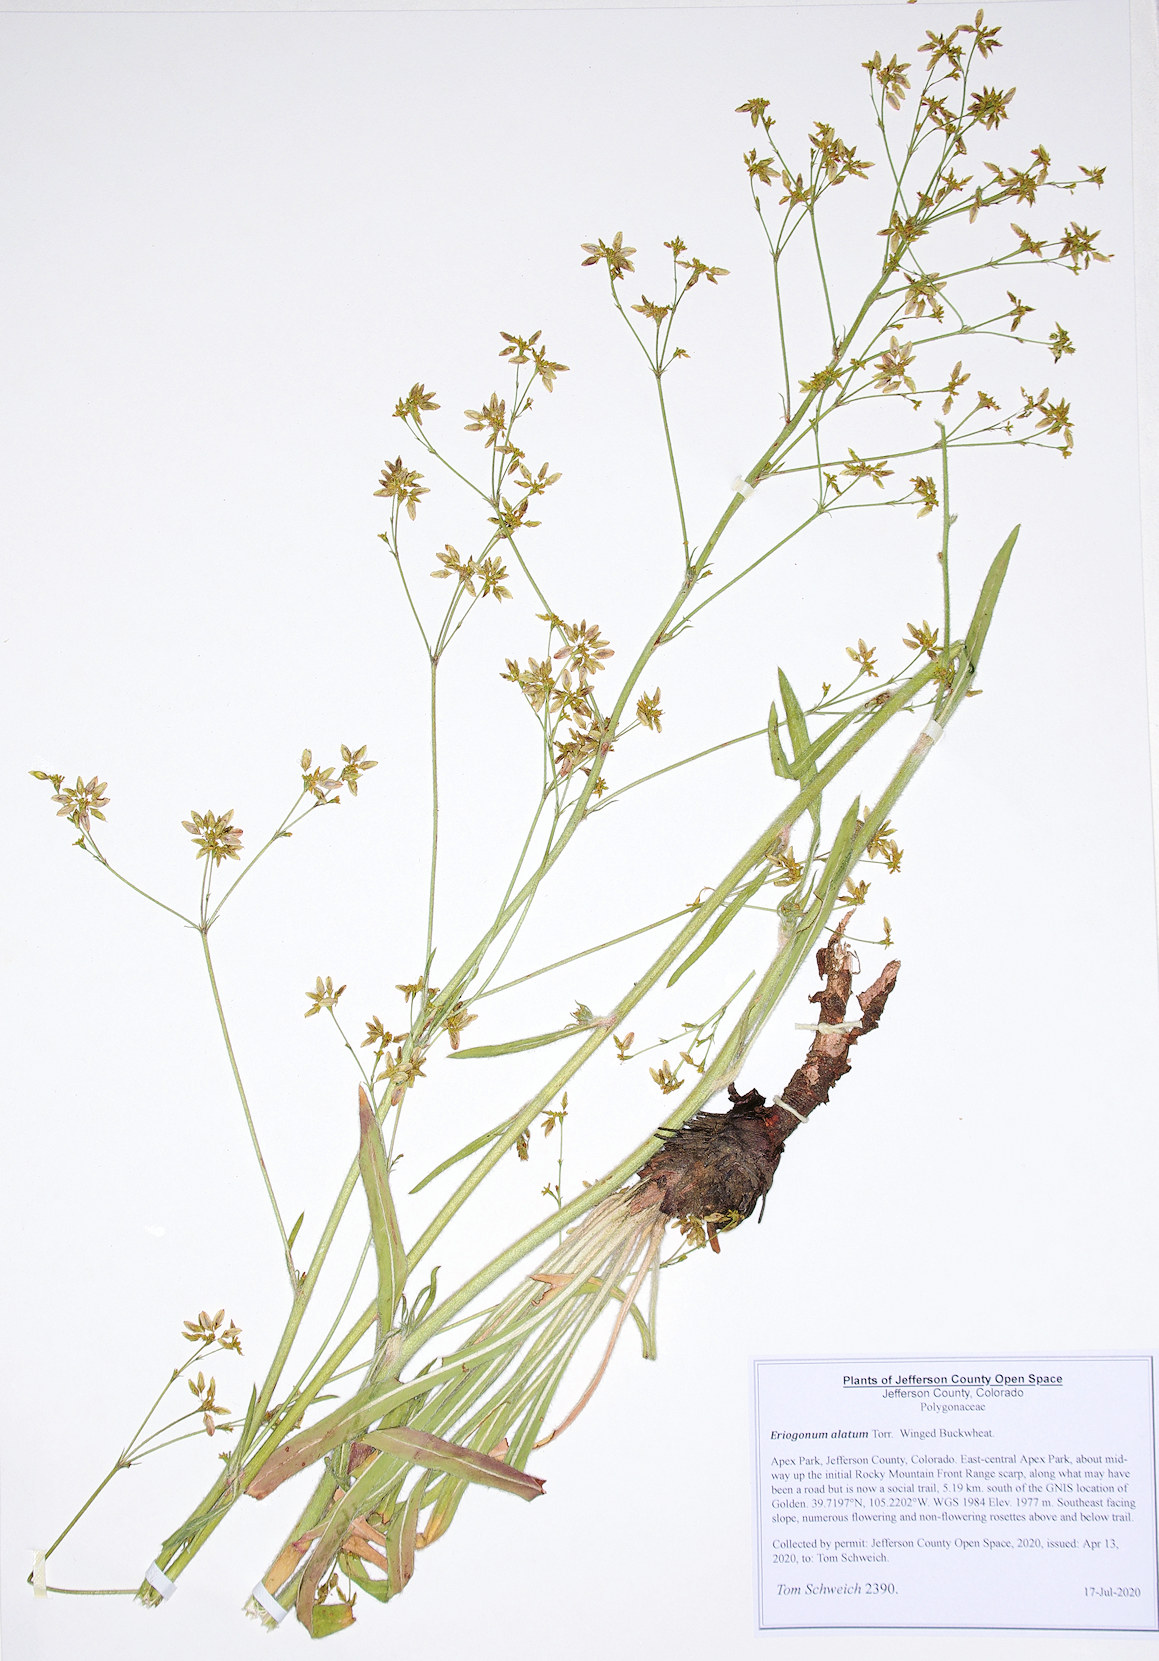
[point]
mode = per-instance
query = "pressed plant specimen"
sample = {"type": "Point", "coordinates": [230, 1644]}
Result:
{"type": "Point", "coordinates": [874, 406]}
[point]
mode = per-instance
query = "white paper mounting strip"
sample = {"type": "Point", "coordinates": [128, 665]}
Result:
{"type": "Point", "coordinates": [780, 1102]}
{"type": "Point", "coordinates": [824, 1026]}
{"type": "Point", "coordinates": [39, 1576]}
{"type": "Point", "coordinates": [160, 1581]}
{"type": "Point", "coordinates": [269, 1603]}
{"type": "Point", "coordinates": [743, 487]}
{"type": "Point", "coordinates": [932, 730]}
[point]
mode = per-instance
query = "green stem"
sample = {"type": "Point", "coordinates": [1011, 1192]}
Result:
{"type": "Point", "coordinates": [947, 521]}
{"type": "Point", "coordinates": [218, 1501]}
{"type": "Point", "coordinates": [264, 849]}
{"type": "Point", "coordinates": [821, 274]}
{"type": "Point", "coordinates": [95, 853]}
{"type": "Point", "coordinates": [611, 795]}
{"type": "Point", "coordinates": [672, 470]}
{"type": "Point", "coordinates": [575, 956]}
{"type": "Point", "coordinates": [245, 1107]}
{"type": "Point", "coordinates": [434, 816]}
{"type": "Point", "coordinates": [121, 1465]}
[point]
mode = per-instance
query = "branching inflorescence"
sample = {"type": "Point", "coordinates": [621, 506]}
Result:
{"type": "Point", "coordinates": [425, 1416]}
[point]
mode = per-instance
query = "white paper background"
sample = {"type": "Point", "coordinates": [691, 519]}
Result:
{"type": "Point", "coordinates": [238, 238]}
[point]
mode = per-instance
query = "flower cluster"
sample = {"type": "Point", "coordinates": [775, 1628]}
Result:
{"type": "Point", "coordinates": [79, 804]}
{"type": "Point", "coordinates": [489, 572]}
{"type": "Point", "coordinates": [208, 1329]}
{"type": "Point", "coordinates": [324, 783]}
{"type": "Point", "coordinates": [567, 694]}
{"type": "Point", "coordinates": [215, 836]}
{"type": "Point", "coordinates": [400, 484]}
{"type": "Point", "coordinates": [208, 1403]}
{"type": "Point", "coordinates": [324, 996]}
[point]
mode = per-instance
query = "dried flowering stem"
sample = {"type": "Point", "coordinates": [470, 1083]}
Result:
{"type": "Point", "coordinates": [209, 1334]}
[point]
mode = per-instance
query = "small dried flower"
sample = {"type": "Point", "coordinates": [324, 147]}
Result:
{"type": "Point", "coordinates": [1027, 245]}
{"type": "Point", "coordinates": [666, 1078]}
{"type": "Point", "coordinates": [412, 989]}
{"type": "Point", "coordinates": [1060, 343]}
{"type": "Point", "coordinates": [454, 1022]}
{"type": "Point", "coordinates": [784, 861]}
{"type": "Point", "coordinates": [585, 648]}
{"type": "Point", "coordinates": [545, 369]}
{"type": "Point", "coordinates": [922, 292]}
{"type": "Point", "coordinates": [754, 108]}
{"type": "Point", "coordinates": [208, 1329]}
{"type": "Point", "coordinates": [1078, 244]}
{"type": "Point", "coordinates": [699, 269]}
{"type": "Point", "coordinates": [614, 254]}
{"type": "Point", "coordinates": [535, 484]}
{"type": "Point", "coordinates": [648, 711]}
{"type": "Point", "coordinates": [81, 803]}
{"type": "Point", "coordinates": [838, 161]}
{"type": "Point", "coordinates": [891, 77]}
{"type": "Point", "coordinates": [893, 367]}
{"type": "Point", "coordinates": [924, 639]}
{"type": "Point", "coordinates": [323, 996]}
{"type": "Point", "coordinates": [1019, 310]}
{"type": "Point", "coordinates": [855, 468]}
{"type": "Point", "coordinates": [215, 836]}
{"type": "Point", "coordinates": [376, 1033]}
{"type": "Point", "coordinates": [855, 893]}
{"type": "Point", "coordinates": [927, 494]}
{"type": "Point", "coordinates": [953, 386]}
{"type": "Point", "coordinates": [554, 1117]}
{"type": "Point", "coordinates": [491, 419]}
{"type": "Point", "coordinates": [990, 106]}
{"type": "Point", "coordinates": [208, 1402]}
{"type": "Point", "coordinates": [864, 657]}
{"type": "Point", "coordinates": [416, 401]}
{"type": "Point", "coordinates": [401, 484]}
{"type": "Point", "coordinates": [353, 765]}
{"type": "Point", "coordinates": [491, 573]}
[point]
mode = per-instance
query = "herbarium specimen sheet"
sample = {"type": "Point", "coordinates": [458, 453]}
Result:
{"type": "Point", "coordinates": [523, 495]}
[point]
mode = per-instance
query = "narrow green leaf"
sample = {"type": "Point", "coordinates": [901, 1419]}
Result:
{"type": "Point", "coordinates": [354, 1569]}
{"type": "Point", "coordinates": [481, 1051]}
{"type": "Point", "coordinates": [250, 1416]}
{"type": "Point", "coordinates": [436, 1455]}
{"type": "Point", "coordinates": [328, 1618]}
{"type": "Point", "coordinates": [798, 730]}
{"type": "Point", "coordinates": [596, 1285]}
{"type": "Point", "coordinates": [388, 1247]}
{"type": "Point", "coordinates": [776, 749]}
{"type": "Point", "coordinates": [987, 600]}
{"type": "Point", "coordinates": [293, 1234]}
{"type": "Point", "coordinates": [400, 1537]}
{"type": "Point", "coordinates": [819, 745]}
{"type": "Point", "coordinates": [836, 865]}
{"type": "Point", "coordinates": [376, 1482]}
{"type": "Point", "coordinates": [803, 767]}
{"type": "Point", "coordinates": [426, 1298]}
{"type": "Point", "coordinates": [732, 910]}
{"type": "Point", "coordinates": [241, 1446]}
{"type": "Point", "coordinates": [463, 1153]}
